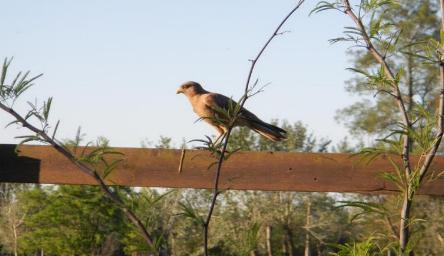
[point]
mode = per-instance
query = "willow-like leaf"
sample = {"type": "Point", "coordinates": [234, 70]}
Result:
{"type": "Point", "coordinates": [401, 180]}
{"type": "Point", "coordinates": [55, 130]}
{"type": "Point", "coordinates": [325, 5]}
{"type": "Point", "coordinates": [188, 211]}
{"type": "Point", "coordinates": [367, 206]}
{"type": "Point", "coordinates": [435, 176]}
{"type": "Point", "coordinates": [47, 108]}
{"type": "Point", "coordinates": [29, 138]}
{"type": "Point", "coordinates": [109, 168]}
{"type": "Point", "coordinates": [12, 122]}
{"type": "Point", "coordinates": [5, 67]}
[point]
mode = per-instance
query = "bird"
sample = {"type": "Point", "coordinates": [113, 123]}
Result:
{"type": "Point", "coordinates": [207, 105]}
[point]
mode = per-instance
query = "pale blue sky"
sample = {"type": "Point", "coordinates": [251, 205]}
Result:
{"type": "Point", "coordinates": [113, 66]}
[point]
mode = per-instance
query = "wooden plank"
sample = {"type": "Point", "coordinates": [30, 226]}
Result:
{"type": "Point", "coordinates": [281, 171]}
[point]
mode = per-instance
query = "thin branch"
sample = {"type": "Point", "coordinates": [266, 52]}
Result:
{"type": "Point", "coordinates": [384, 91]}
{"type": "Point", "coordinates": [254, 92]}
{"type": "Point", "coordinates": [275, 33]}
{"type": "Point", "coordinates": [244, 98]}
{"type": "Point", "coordinates": [86, 169]}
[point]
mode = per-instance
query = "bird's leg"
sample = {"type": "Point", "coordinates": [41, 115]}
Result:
{"type": "Point", "coordinates": [221, 134]}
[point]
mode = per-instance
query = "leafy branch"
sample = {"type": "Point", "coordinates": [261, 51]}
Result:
{"type": "Point", "coordinates": [95, 163]}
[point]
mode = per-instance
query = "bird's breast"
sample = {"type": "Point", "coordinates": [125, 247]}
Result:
{"type": "Point", "coordinates": [200, 107]}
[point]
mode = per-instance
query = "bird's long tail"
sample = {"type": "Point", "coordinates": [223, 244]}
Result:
{"type": "Point", "coordinates": [269, 131]}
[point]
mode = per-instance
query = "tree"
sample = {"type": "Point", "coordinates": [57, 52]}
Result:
{"type": "Point", "coordinates": [401, 57]}
{"type": "Point", "coordinates": [71, 220]}
{"type": "Point", "coordinates": [12, 217]}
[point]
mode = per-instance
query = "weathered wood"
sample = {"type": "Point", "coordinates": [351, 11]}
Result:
{"type": "Point", "coordinates": [244, 170]}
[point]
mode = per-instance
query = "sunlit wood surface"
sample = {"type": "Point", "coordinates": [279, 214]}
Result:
{"type": "Point", "coordinates": [314, 172]}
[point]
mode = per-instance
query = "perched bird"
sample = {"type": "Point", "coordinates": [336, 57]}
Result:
{"type": "Point", "coordinates": [207, 105]}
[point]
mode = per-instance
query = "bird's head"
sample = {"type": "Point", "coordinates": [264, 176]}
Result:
{"type": "Point", "coordinates": [190, 88]}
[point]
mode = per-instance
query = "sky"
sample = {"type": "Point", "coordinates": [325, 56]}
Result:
{"type": "Point", "coordinates": [113, 67]}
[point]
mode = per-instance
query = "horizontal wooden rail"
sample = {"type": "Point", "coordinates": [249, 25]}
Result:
{"type": "Point", "coordinates": [314, 172]}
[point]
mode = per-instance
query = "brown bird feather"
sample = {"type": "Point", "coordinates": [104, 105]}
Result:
{"type": "Point", "coordinates": [207, 105]}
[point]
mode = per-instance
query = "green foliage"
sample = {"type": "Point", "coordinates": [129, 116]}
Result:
{"type": "Point", "coordinates": [190, 212]}
{"type": "Point", "coordinates": [378, 80]}
{"type": "Point", "coordinates": [155, 207]}
{"type": "Point", "coordinates": [9, 93]}
{"type": "Point", "coordinates": [366, 207]}
{"type": "Point", "coordinates": [365, 248]}
{"type": "Point", "coordinates": [251, 237]}
{"type": "Point", "coordinates": [326, 5]}
{"type": "Point", "coordinates": [164, 142]}
{"type": "Point", "coordinates": [70, 220]}
{"type": "Point", "coordinates": [78, 220]}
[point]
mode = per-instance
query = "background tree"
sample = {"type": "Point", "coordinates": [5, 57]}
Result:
{"type": "Point", "coordinates": [416, 21]}
{"type": "Point", "coordinates": [12, 217]}
{"type": "Point", "coordinates": [71, 220]}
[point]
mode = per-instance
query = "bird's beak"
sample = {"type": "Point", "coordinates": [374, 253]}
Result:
{"type": "Point", "coordinates": [179, 90]}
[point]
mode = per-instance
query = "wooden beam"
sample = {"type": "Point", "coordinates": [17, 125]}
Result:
{"type": "Point", "coordinates": [283, 171]}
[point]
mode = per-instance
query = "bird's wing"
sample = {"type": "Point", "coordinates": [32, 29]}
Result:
{"type": "Point", "coordinates": [217, 101]}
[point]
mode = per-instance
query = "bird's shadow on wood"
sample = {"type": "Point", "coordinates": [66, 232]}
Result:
{"type": "Point", "coordinates": [17, 169]}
